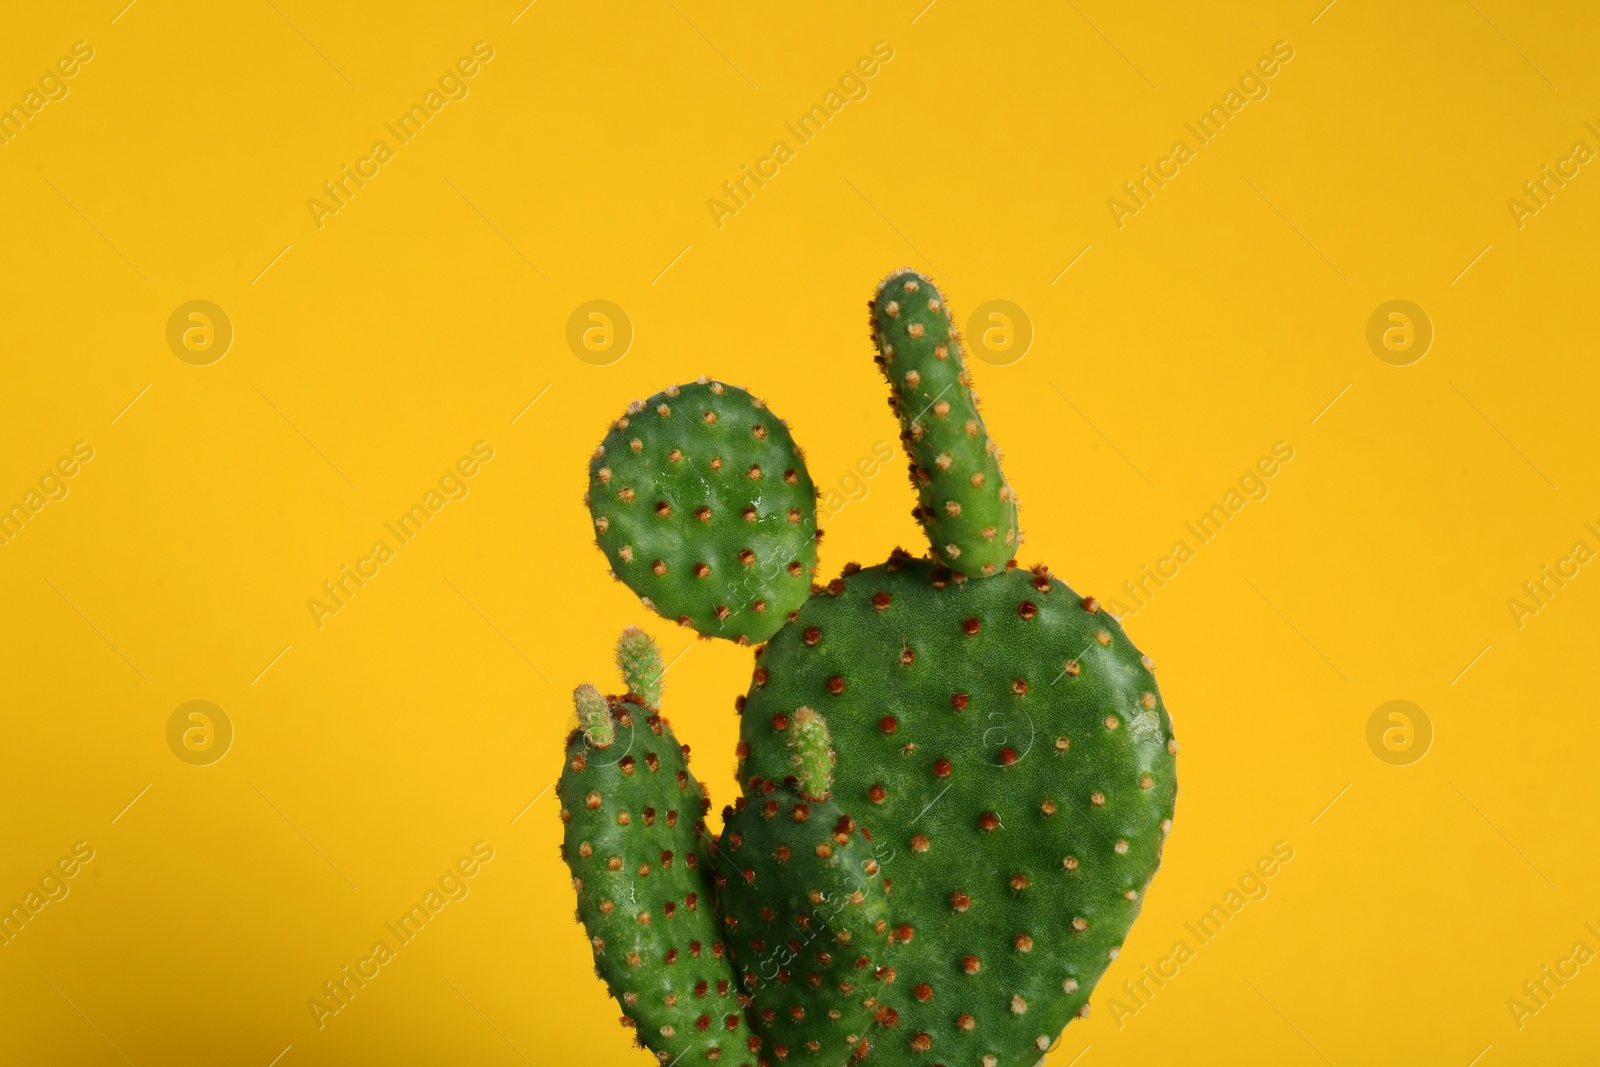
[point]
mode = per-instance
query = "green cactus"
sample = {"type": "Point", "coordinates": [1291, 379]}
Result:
{"type": "Point", "coordinates": [968, 510]}
{"type": "Point", "coordinates": [989, 750]}
{"type": "Point", "coordinates": [1005, 740]}
{"type": "Point", "coordinates": [639, 661]}
{"type": "Point", "coordinates": [703, 504]}
{"type": "Point", "coordinates": [639, 856]}
{"type": "Point", "coordinates": [807, 914]}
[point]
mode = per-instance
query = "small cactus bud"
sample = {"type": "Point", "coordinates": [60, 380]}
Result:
{"type": "Point", "coordinates": [639, 660]}
{"type": "Point", "coordinates": [594, 715]}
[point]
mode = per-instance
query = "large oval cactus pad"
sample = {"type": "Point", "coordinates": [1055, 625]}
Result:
{"type": "Point", "coordinates": [1006, 746]}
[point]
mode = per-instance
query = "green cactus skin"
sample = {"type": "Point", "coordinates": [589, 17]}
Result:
{"type": "Point", "coordinates": [636, 845]}
{"type": "Point", "coordinates": [703, 505]}
{"type": "Point", "coordinates": [965, 505]}
{"type": "Point", "coordinates": [807, 912]}
{"type": "Point", "coordinates": [639, 661]}
{"type": "Point", "coordinates": [1006, 746]}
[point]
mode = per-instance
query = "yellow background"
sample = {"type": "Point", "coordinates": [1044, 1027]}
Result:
{"type": "Point", "coordinates": [428, 313]}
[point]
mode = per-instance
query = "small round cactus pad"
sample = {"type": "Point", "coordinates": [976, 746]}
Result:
{"type": "Point", "coordinates": [703, 505]}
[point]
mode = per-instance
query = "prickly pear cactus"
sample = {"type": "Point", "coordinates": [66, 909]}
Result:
{"type": "Point", "coordinates": [964, 503]}
{"type": "Point", "coordinates": [704, 507]}
{"type": "Point", "coordinates": [996, 770]}
{"type": "Point", "coordinates": [639, 663]}
{"type": "Point", "coordinates": [1006, 746]}
{"type": "Point", "coordinates": [807, 915]}
{"type": "Point", "coordinates": [639, 856]}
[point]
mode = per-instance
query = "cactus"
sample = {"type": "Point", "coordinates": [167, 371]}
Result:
{"type": "Point", "coordinates": [639, 662]}
{"type": "Point", "coordinates": [968, 510]}
{"type": "Point", "coordinates": [807, 913]}
{"type": "Point", "coordinates": [1020, 772]}
{"type": "Point", "coordinates": [981, 755]}
{"type": "Point", "coordinates": [704, 507]}
{"type": "Point", "coordinates": [637, 848]}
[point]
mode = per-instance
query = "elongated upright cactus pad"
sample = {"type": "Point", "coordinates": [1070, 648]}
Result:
{"type": "Point", "coordinates": [704, 507]}
{"type": "Point", "coordinates": [964, 503]}
{"type": "Point", "coordinates": [958, 776]}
